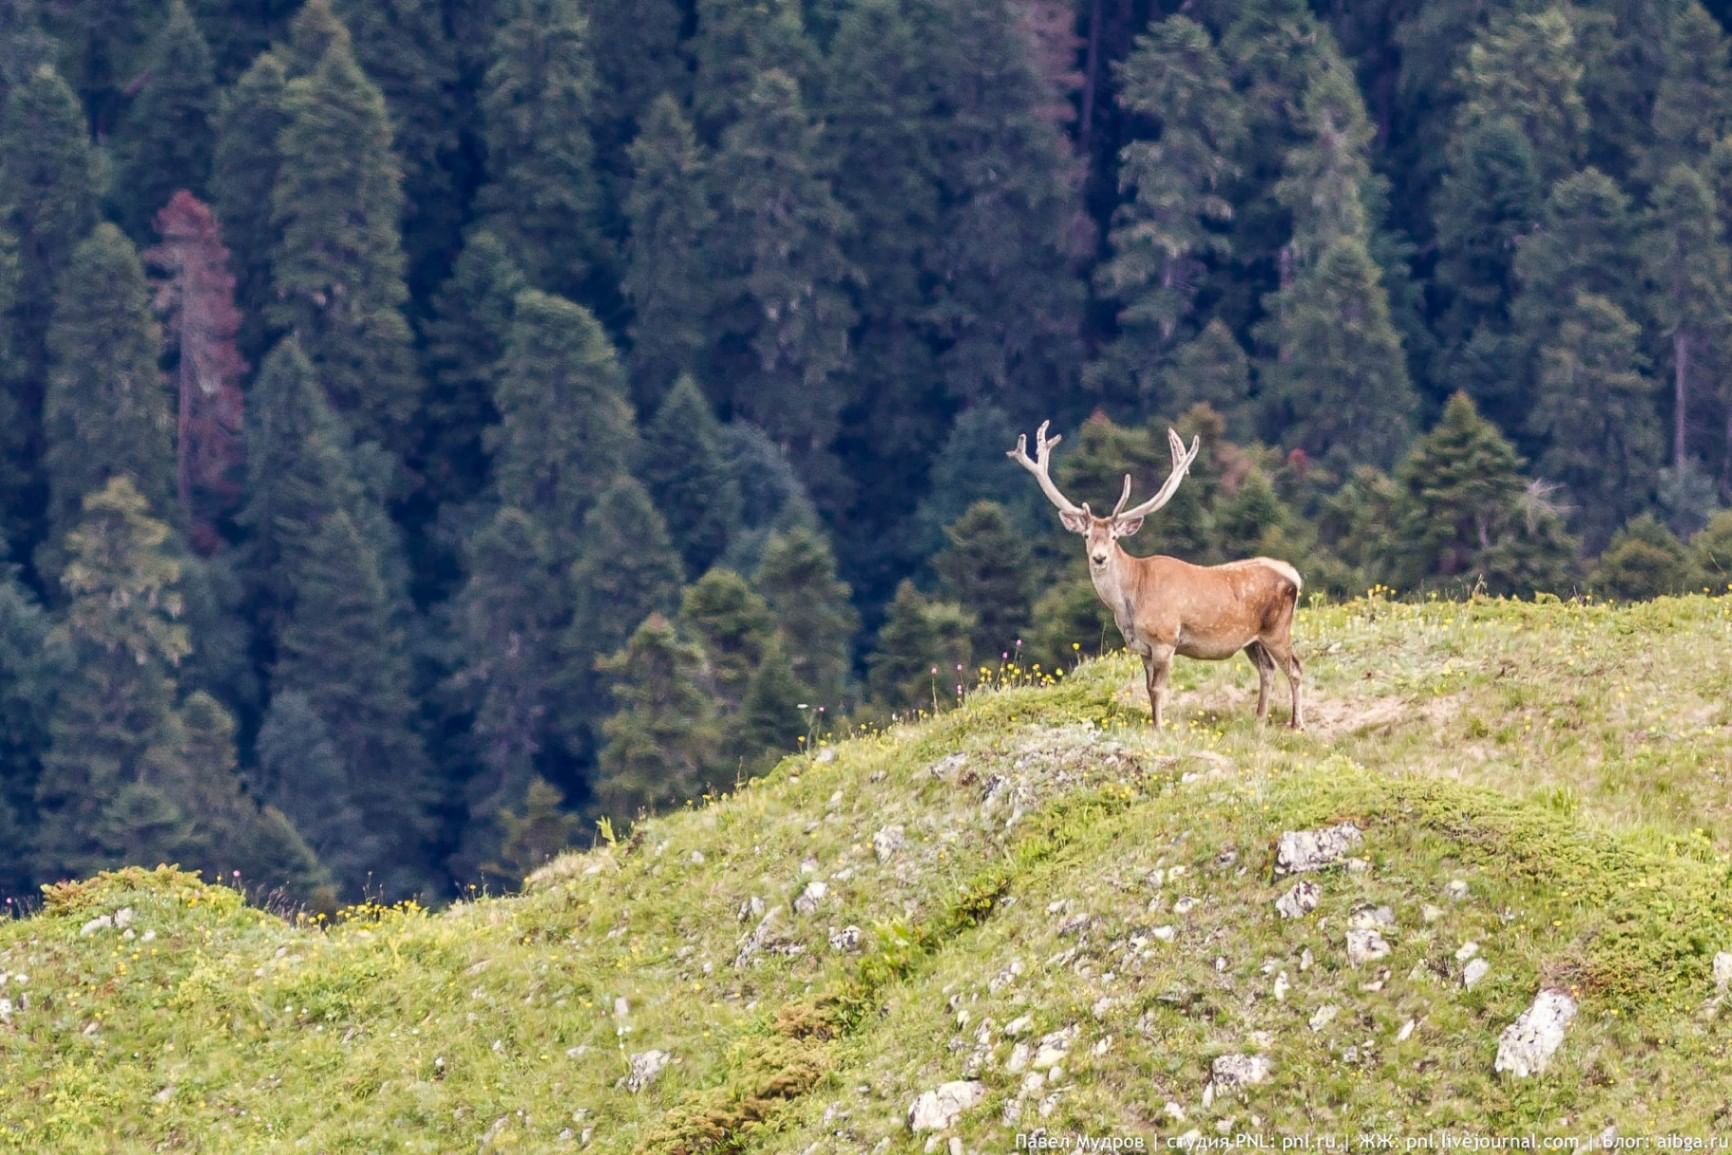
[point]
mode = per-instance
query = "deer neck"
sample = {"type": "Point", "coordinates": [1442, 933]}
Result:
{"type": "Point", "coordinates": [1116, 586]}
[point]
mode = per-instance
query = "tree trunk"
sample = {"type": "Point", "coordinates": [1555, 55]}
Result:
{"type": "Point", "coordinates": [1680, 394]}
{"type": "Point", "coordinates": [186, 378]}
{"type": "Point", "coordinates": [1091, 78]}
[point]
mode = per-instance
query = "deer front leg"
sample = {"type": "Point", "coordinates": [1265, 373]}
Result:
{"type": "Point", "coordinates": [1157, 664]}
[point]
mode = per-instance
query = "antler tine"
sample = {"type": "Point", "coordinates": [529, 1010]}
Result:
{"type": "Point", "coordinates": [1124, 496]}
{"type": "Point", "coordinates": [1040, 466]}
{"type": "Point", "coordinates": [1182, 459]}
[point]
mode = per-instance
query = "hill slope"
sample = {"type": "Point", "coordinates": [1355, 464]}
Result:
{"type": "Point", "coordinates": [1034, 897]}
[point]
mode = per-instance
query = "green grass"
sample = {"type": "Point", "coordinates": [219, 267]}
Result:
{"type": "Point", "coordinates": [1568, 762]}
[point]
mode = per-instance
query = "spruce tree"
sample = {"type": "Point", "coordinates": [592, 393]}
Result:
{"type": "Point", "coordinates": [813, 611]}
{"type": "Point", "coordinates": [662, 741]}
{"type": "Point", "coordinates": [113, 725]}
{"type": "Point", "coordinates": [768, 723]}
{"type": "Point", "coordinates": [30, 673]}
{"type": "Point", "coordinates": [1458, 486]}
{"type": "Point", "coordinates": [168, 137]}
{"type": "Point", "coordinates": [638, 60]}
{"type": "Point", "coordinates": [243, 174]}
{"type": "Point", "coordinates": [337, 265]}
{"type": "Point", "coordinates": [1489, 199]}
{"type": "Point", "coordinates": [1693, 104]}
{"type": "Point", "coordinates": [1210, 369]}
{"type": "Point", "coordinates": [18, 475]}
{"type": "Point", "coordinates": [565, 431]}
{"type": "Point", "coordinates": [103, 47]}
{"type": "Point", "coordinates": [24, 46]}
{"type": "Point", "coordinates": [1596, 412]}
{"type": "Point", "coordinates": [1689, 267]}
{"type": "Point", "coordinates": [1526, 65]}
{"type": "Point", "coordinates": [681, 464]}
{"type": "Point", "coordinates": [466, 338]}
{"type": "Point", "coordinates": [303, 776]}
{"type": "Point", "coordinates": [1252, 518]}
{"type": "Point", "coordinates": [105, 413]}
{"type": "Point", "coordinates": [314, 32]}
{"type": "Point", "coordinates": [1092, 473]}
{"type": "Point", "coordinates": [922, 651]}
{"type": "Point", "coordinates": [670, 218]}
{"type": "Point", "coordinates": [1169, 226]}
{"type": "Point", "coordinates": [986, 569]}
{"type": "Point", "coordinates": [733, 626]}
{"type": "Point", "coordinates": [403, 48]}
{"type": "Point", "coordinates": [784, 309]}
{"type": "Point", "coordinates": [736, 43]}
{"type": "Point", "coordinates": [1644, 560]}
{"type": "Point", "coordinates": [533, 833]}
{"type": "Point", "coordinates": [1711, 548]}
{"type": "Point", "coordinates": [542, 198]}
{"type": "Point", "coordinates": [1536, 552]}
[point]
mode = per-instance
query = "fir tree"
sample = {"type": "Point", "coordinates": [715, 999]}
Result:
{"type": "Point", "coordinates": [638, 60]}
{"type": "Point", "coordinates": [24, 47]}
{"type": "Point", "coordinates": [797, 577]}
{"type": "Point", "coordinates": [534, 834]}
{"type": "Point", "coordinates": [1689, 267]}
{"type": "Point", "coordinates": [103, 47]}
{"type": "Point", "coordinates": [168, 137]}
{"type": "Point", "coordinates": [1096, 466]}
{"type": "Point", "coordinates": [1644, 560]}
{"type": "Point", "coordinates": [1210, 369]}
{"type": "Point", "coordinates": [1596, 412]}
{"type": "Point", "coordinates": [785, 309]}
{"type": "Point", "coordinates": [466, 338]}
{"type": "Point", "coordinates": [541, 198]}
{"type": "Point", "coordinates": [105, 414]}
{"type": "Point", "coordinates": [1526, 66]}
{"type": "Point", "coordinates": [681, 464]}
{"type": "Point", "coordinates": [1168, 229]}
{"type": "Point", "coordinates": [1535, 553]}
{"type": "Point", "coordinates": [1248, 521]}
{"type": "Point", "coordinates": [736, 43]}
{"type": "Point", "coordinates": [957, 481]}
{"type": "Point", "coordinates": [337, 266]}
{"type": "Point", "coordinates": [1489, 199]}
{"type": "Point", "coordinates": [921, 648]}
{"type": "Point", "coordinates": [1711, 549]}
{"type": "Point", "coordinates": [301, 773]}
{"type": "Point", "coordinates": [243, 173]}
{"type": "Point", "coordinates": [987, 569]}
{"type": "Point", "coordinates": [662, 742]}
{"type": "Point", "coordinates": [1071, 624]}
{"type": "Point", "coordinates": [768, 723]}
{"type": "Point", "coordinates": [1458, 486]}
{"type": "Point", "coordinates": [733, 626]}
{"type": "Point", "coordinates": [99, 799]}
{"type": "Point", "coordinates": [195, 297]}
{"type": "Point", "coordinates": [1693, 104]}
{"type": "Point", "coordinates": [565, 431]}
{"type": "Point", "coordinates": [315, 31]}
{"type": "Point", "coordinates": [18, 475]}
{"type": "Point", "coordinates": [30, 672]}
{"type": "Point", "coordinates": [670, 218]}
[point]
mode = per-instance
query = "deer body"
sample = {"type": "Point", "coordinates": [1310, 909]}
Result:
{"type": "Point", "coordinates": [1164, 606]}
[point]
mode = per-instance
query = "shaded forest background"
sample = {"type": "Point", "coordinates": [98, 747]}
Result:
{"type": "Point", "coordinates": [429, 425]}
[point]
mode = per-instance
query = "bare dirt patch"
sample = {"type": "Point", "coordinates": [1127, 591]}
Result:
{"type": "Point", "coordinates": [1323, 715]}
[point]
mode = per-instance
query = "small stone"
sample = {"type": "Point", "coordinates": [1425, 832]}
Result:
{"type": "Point", "coordinates": [1164, 933]}
{"type": "Point", "coordinates": [1476, 970]}
{"type": "Point", "coordinates": [1018, 1061]}
{"type": "Point", "coordinates": [810, 898]}
{"type": "Point", "coordinates": [955, 1146]}
{"type": "Point", "coordinates": [1527, 1045]}
{"type": "Point", "coordinates": [1301, 898]}
{"type": "Point", "coordinates": [1282, 986]}
{"type": "Point", "coordinates": [1186, 905]}
{"type": "Point", "coordinates": [123, 917]}
{"type": "Point", "coordinates": [1406, 1031]}
{"type": "Point", "coordinates": [1102, 1047]}
{"type": "Point", "coordinates": [1324, 1016]}
{"type": "Point", "coordinates": [1358, 866]}
{"type": "Point", "coordinates": [1723, 970]}
{"type": "Point", "coordinates": [1467, 951]}
{"type": "Point", "coordinates": [1430, 912]}
{"type": "Point", "coordinates": [1305, 959]}
{"type": "Point", "coordinates": [941, 1108]}
{"type": "Point", "coordinates": [100, 922]}
{"type": "Point", "coordinates": [1368, 917]}
{"type": "Point", "coordinates": [621, 1007]}
{"type": "Point", "coordinates": [697, 858]}
{"type": "Point", "coordinates": [888, 842]}
{"type": "Point", "coordinates": [1456, 889]}
{"type": "Point", "coordinates": [1301, 850]}
{"type": "Point", "coordinates": [1365, 946]}
{"type": "Point", "coordinates": [646, 1068]}
{"type": "Point", "coordinates": [1232, 1071]}
{"type": "Point", "coordinates": [1053, 1047]}
{"type": "Point", "coordinates": [1173, 1111]}
{"type": "Point", "coordinates": [1011, 972]}
{"type": "Point", "coordinates": [847, 940]}
{"type": "Point", "coordinates": [1018, 1027]}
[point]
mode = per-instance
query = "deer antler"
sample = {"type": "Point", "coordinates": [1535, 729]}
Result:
{"type": "Point", "coordinates": [1182, 459]}
{"type": "Point", "coordinates": [1040, 466]}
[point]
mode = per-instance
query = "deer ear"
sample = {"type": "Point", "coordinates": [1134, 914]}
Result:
{"type": "Point", "coordinates": [1125, 526]}
{"type": "Point", "coordinates": [1075, 522]}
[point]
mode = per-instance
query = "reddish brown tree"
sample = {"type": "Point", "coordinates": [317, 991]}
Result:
{"type": "Point", "coordinates": [195, 295]}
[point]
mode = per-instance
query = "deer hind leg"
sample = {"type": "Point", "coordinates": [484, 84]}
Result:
{"type": "Point", "coordinates": [1157, 664]}
{"type": "Point", "coordinates": [1282, 653]}
{"type": "Point", "coordinates": [1259, 655]}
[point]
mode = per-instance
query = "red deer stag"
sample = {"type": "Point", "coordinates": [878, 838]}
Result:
{"type": "Point", "coordinates": [1165, 606]}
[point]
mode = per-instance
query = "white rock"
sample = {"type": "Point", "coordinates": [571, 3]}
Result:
{"type": "Point", "coordinates": [1368, 917]}
{"type": "Point", "coordinates": [1164, 933]}
{"type": "Point", "coordinates": [1358, 866]}
{"type": "Point", "coordinates": [847, 940]}
{"type": "Point", "coordinates": [621, 1007]}
{"type": "Point", "coordinates": [887, 842]}
{"type": "Point", "coordinates": [1476, 970]}
{"type": "Point", "coordinates": [1053, 1047]}
{"type": "Point", "coordinates": [1527, 1045]}
{"type": "Point", "coordinates": [1018, 1026]}
{"type": "Point", "coordinates": [1324, 1016]}
{"type": "Point", "coordinates": [810, 897]}
{"type": "Point", "coordinates": [100, 922]}
{"type": "Point", "coordinates": [1467, 951]}
{"type": "Point", "coordinates": [646, 1068]}
{"type": "Point", "coordinates": [1282, 986]}
{"type": "Point", "coordinates": [1300, 898]}
{"type": "Point", "coordinates": [1300, 850]}
{"type": "Point", "coordinates": [1188, 1140]}
{"type": "Point", "coordinates": [1723, 970]}
{"type": "Point", "coordinates": [1305, 959]}
{"type": "Point", "coordinates": [1018, 1061]}
{"type": "Point", "coordinates": [1102, 1047]}
{"type": "Point", "coordinates": [1186, 905]}
{"type": "Point", "coordinates": [697, 858]}
{"type": "Point", "coordinates": [941, 1108]}
{"type": "Point", "coordinates": [1232, 1071]}
{"type": "Point", "coordinates": [1011, 972]}
{"type": "Point", "coordinates": [1456, 889]}
{"type": "Point", "coordinates": [1365, 946]}
{"type": "Point", "coordinates": [955, 1147]}
{"type": "Point", "coordinates": [123, 917]}
{"type": "Point", "coordinates": [5, 1010]}
{"type": "Point", "coordinates": [1174, 1112]}
{"type": "Point", "coordinates": [1430, 912]}
{"type": "Point", "coordinates": [1406, 1031]}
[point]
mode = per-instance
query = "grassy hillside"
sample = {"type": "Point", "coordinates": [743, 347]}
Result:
{"type": "Point", "coordinates": [1035, 892]}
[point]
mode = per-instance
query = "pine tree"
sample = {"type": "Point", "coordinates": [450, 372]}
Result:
{"type": "Point", "coordinates": [785, 309]}
{"type": "Point", "coordinates": [337, 266]}
{"type": "Point", "coordinates": [1711, 549]}
{"type": "Point", "coordinates": [1596, 412]}
{"type": "Point", "coordinates": [24, 47]}
{"type": "Point", "coordinates": [1526, 65]}
{"type": "Point", "coordinates": [195, 297]}
{"type": "Point", "coordinates": [1167, 230]}
{"type": "Point", "coordinates": [1251, 518]}
{"type": "Point", "coordinates": [1489, 199]}
{"type": "Point", "coordinates": [168, 138]}
{"type": "Point", "coordinates": [30, 672]}
{"type": "Point", "coordinates": [565, 431]}
{"type": "Point", "coordinates": [733, 626]}
{"type": "Point", "coordinates": [772, 495]}
{"type": "Point", "coordinates": [541, 198]}
{"type": "Point", "coordinates": [986, 568]}
{"type": "Point", "coordinates": [103, 47]}
{"type": "Point", "coordinates": [239, 33]}
{"type": "Point", "coordinates": [113, 724]}
{"type": "Point", "coordinates": [680, 462]}
{"type": "Point", "coordinates": [1211, 369]}
{"type": "Point", "coordinates": [736, 43]}
{"type": "Point", "coordinates": [243, 172]}
{"type": "Point", "coordinates": [1071, 624]}
{"type": "Point", "coordinates": [18, 475]}
{"type": "Point", "coordinates": [1340, 383]}
{"type": "Point", "coordinates": [466, 338]}
{"type": "Point", "coordinates": [1644, 560]}
{"type": "Point", "coordinates": [923, 649]}
{"type": "Point", "coordinates": [662, 742]}
{"type": "Point", "coordinates": [797, 577]}
{"type": "Point", "coordinates": [1458, 486]}
{"type": "Point", "coordinates": [1689, 266]}
{"type": "Point", "coordinates": [769, 722]}
{"type": "Point", "coordinates": [105, 413]}
{"type": "Point", "coordinates": [1536, 553]}
{"type": "Point", "coordinates": [314, 32]}
{"type": "Point", "coordinates": [670, 218]}
{"type": "Point", "coordinates": [403, 48]}
{"type": "Point", "coordinates": [532, 837]}
{"type": "Point", "coordinates": [1693, 104]}
{"type": "Point", "coordinates": [301, 773]}
{"type": "Point", "coordinates": [638, 60]}
{"type": "Point", "coordinates": [1096, 467]}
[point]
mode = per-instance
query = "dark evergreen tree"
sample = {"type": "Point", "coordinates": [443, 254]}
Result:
{"type": "Point", "coordinates": [772, 495]}
{"type": "Point", "coordinates": [1526, 65]}
{"type": "Point", "coordinates": [103, 48]}
{"type": "Point", "coordinates": [736, 42]}
{"type": "Point", "coordinates": [337, 265]}
{"type": "Point", "coordinates": [30, 672]}
{"type": "Point", "coordinates": [670, 219]}
{"type": "Point", "coordinates": [542, 198]}
{"type": "Point", "coordinates": [168, 137]}
{"type": "Point", "coordinates": [662, 742]}
{"type": "Point", "coordinates": [638, 59]}
{"type": "Point", "coordinates": [681, 464]}
{"type": "Point", "coordinates": [24, 47]}
{"type": "Point", "coordinates": [1711, 549]}
{"type": "Point", "coordinates": [532, 834]}
{"type": "Point", "coordinates": [106, 413]}
{"type": "Point", "coordinates": [466, 338]}
{"type": "Point", "coordinates": [958, 480]}
{"type": "Point", "coordinates": [1210, 369]}
{"type": "Point", "coordinates": [1490, 198]}
{"type": "Point", "coordinates": [240, 32]}
{"type": "Point", "coordinates": [1644, 560]}
{"type": "Point", "coordinates": [1092, 473]}
{"type": "Point", "coordinates": [986, 569]}
{"type": "Point", "coordinates": [301, 772]}
{"type": "Point", "coordinates": [769, 723]}
{"type": "Point", "coordinates": [797, 577]}
{"type": "Point", "coordinates": [733, 626]}
{"type": "Point", "coordinates": [1689, 267]}
{"type": "Point", "coordinates": [1693, 103]}
{"type": "Point", "coordinates": [1458, 486]}
{"type": "Point", "coordinates": [1252, 518]}
{"type": "Point", "coordinates": [1071, 624]}
{"type": "Point", "coordinates": [243, 174]}
{"type": "Point", "coordinates": [923, 652]}
{"type": "Point", "coordinates": [17, 464]}
{"type": "Point", "coordinates": [314, 32]}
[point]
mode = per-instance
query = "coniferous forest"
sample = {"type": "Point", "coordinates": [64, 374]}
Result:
{"type": "Point", "coordinates": [429, 426]}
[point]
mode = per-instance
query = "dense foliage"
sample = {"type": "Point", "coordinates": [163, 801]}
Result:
{"type": "Point", "coordinates": [425, 427]}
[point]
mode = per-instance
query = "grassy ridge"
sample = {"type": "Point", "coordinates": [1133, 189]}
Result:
{"type": "Point", "coordinates": [1011, 860]}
